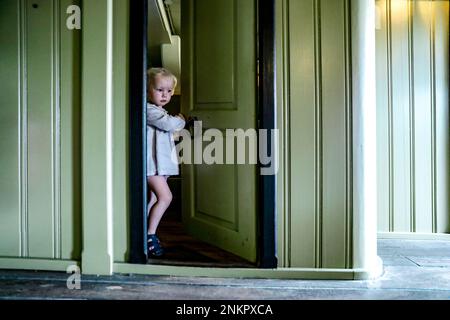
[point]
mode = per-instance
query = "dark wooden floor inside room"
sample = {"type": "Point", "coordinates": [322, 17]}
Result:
{"type": "Point", "coordinates": [182, 249]}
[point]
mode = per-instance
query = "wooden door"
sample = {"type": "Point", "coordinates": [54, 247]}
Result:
{"type": "Point", "coordinates": [219, 87]}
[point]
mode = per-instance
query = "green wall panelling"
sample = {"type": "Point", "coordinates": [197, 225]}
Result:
{"type": "Point", "coordinates": [11, 99]}
{"type": "Point", "coordinates": [42, 131]}
{"type": "Point", "coordinates": [412, 116]}
{"type": "Point", "coordinates": [335, 141]}
{"type": "Point", "coordinates": [70, 92]}
{"type": "Point", "coordinates": [442, 118]}
{"type": "Point", "coordinates": [316, 64]}
{"type": "Point", "coordinates": [45, 105]}
{"type": "Point", "coordinates": [383, 122]}
{"type": "Point", "coordinates": [420, 114]}
{"type": "Point", "coordinates": [302, 133]}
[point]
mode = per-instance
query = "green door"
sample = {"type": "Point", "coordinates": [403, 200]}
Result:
{"type": "Point", "coordinates": [219, 88]}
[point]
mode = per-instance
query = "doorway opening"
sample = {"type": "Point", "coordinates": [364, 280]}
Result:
{"type": "Point", "coordinates": [220, 215]}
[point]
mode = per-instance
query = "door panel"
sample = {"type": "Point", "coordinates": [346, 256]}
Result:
{"type": "Point", "coordinates": [219, 75]}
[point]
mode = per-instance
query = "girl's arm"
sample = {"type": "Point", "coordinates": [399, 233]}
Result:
{"type": "Point", "coordinates": [163, 121]}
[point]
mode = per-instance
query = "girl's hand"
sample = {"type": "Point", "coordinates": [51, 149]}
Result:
{"type": "Point", "coordinates": [180, 115]}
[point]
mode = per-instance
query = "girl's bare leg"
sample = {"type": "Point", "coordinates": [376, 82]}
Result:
{"type": "Point", "coordinates": [158, 185]}
{"type": "Point", "coordinates": [151, 202]}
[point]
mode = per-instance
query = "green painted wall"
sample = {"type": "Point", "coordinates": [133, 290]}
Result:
{"type": "Point", "coordinates": [413, 116]}
{"type": "Point", "coordinates": [10, 110]}
{"type": "Point", "coordinates": [314, 115]}
{"type": "Point", "coordinates": [40, 103]}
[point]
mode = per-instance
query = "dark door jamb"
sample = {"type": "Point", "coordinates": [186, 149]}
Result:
{"type": "Point", "coordinates": [137, 121]}
{"type": "Point", "coordinates": [267, 119]}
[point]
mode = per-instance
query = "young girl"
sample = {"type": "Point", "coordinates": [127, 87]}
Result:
{"type": "Point", "coordinates": [161, 156]}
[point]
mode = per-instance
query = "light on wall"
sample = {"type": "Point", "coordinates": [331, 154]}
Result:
{"type": "Point", "coordinates": [425, 9]}
{"type": "Point", "coordinates": [398, 11]}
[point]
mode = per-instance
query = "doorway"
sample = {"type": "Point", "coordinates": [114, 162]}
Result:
{"type": "Point", "coordinates": [221, 214]}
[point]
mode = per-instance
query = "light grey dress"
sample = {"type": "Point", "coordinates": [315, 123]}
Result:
{"type": "Point", "coordinates": [161, 154]}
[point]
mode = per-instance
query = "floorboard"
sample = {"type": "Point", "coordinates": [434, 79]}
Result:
{"type": "Point", "coordinates": [182, 249]}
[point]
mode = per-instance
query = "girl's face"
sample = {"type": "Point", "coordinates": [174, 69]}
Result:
{"type": "Point", "coordinates": [160, 90]}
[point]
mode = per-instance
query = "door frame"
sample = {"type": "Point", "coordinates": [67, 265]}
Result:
{"type": "Point", "coordinates": [137, 131]}
{"type": "Point", "coordinates": [266, 115]}
{"type": "Point", "coordinates": [267, 120]}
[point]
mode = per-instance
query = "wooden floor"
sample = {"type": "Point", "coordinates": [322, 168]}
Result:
{"type": "Point", "coordinates": [182, 249]}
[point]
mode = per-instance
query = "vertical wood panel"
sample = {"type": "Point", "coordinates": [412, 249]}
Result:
{"type": "Point", "coordinates": [433, 113]}
{"type": "Point", "coordinates": [41, 221]}
{"type": "Point", "coordinates": [70, 138]}
{"type": "Point", "coordinates": [302, 132]}
{"type": "Point", "coordinates": [400, 115]}
{"type": "Point", "coordinates": [56, 128]}
{"type": "Point", "coordinates": [349, 139]}
{"type": "Point", "coordinates": [318, 134]}
{"type": "Point", "coordinates": [319, 140]}
{"type": "Point", "coordinates": [283, 180]}
{"type": "Point", "coordinates": [412, 137]}
{"type": "Point", "coordinates": [40, 128]}
{"type": "Point", "coordinates": [23, 137]}
{"type": "Point", "coordinates": [383, 112]}
{"type": "Point", "coordinates": [441, 9]}
{"type": "Point", "coordinates": [334, 111]}
{"type": "Point", "coordinates": [422, 116]}
{"type": "Point", "coordinates": [10, 106]}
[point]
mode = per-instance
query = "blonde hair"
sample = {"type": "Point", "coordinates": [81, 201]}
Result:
{"type": "Point", "coordinates": [152, 73]}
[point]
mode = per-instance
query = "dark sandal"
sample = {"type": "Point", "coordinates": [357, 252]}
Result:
{"type": "Point", "coordinates": [154, 246]}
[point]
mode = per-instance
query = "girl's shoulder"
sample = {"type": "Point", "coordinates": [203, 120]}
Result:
{"type": "Point", "coordinates": [154, 106]}
{"type": "Point", "coordinates": [153, 109]}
